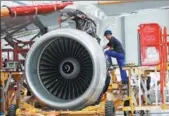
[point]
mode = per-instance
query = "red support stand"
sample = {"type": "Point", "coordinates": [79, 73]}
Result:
{"type": "Point", "coordinates": [150, 41]}
{"type": "Point", "coordinates": [17, 50]}
{"type": "Point", "coordinates": [151, 36]}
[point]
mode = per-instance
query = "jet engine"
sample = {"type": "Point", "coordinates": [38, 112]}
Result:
{"type": "Point", "coordinates": [66, 69]}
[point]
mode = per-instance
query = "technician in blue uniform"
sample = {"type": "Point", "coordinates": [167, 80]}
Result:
{"type": "Point", "coordinates": [116, 51]}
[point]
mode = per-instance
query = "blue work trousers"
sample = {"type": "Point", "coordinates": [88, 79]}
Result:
{"type": "Point", "coordinates": [120, 57]}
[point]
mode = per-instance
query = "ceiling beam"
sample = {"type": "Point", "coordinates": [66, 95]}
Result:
{"type": "Point", "coordinates": [117, 9]}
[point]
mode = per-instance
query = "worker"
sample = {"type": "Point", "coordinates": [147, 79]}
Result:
{"type": "Point", "coordinates": [116, 51]}
{"type": "Point", "coordinates": [5, 63]}
{"type": "Point", "coordinates": [145, 81]}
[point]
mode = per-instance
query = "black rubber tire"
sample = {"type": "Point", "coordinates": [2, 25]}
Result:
{"type": "Point", "coordinates": [109, 109]}
{"type": "Point", "coordinates": [127, 103]}
{"type": "Point", "coordinates": [12, 110]}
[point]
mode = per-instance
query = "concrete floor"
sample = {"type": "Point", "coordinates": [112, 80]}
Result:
{"type": "Point", "coordinates": [152, 113]}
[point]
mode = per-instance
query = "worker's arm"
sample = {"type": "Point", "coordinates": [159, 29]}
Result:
{"type": "Point", "coordinates": [109, 45]}
{"type": "Point", "coordinates": [105, 47]}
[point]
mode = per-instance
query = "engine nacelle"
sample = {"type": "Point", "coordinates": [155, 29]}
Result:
{"type": "Point", "coordinates": [66, 69]}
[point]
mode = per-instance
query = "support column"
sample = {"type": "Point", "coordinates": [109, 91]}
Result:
{"type": "Point", "coordinates": [123, 32]}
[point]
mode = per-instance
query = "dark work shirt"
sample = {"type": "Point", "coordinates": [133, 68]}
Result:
{"type": "Point", "coordinates": [116, 45]}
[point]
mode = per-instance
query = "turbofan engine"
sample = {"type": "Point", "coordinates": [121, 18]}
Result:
{"type": "Point", "coordinates": [66, 69]}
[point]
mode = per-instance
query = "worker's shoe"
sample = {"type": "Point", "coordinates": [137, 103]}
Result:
{"type": "Point", "coordinates": [111, 68]}
{"type": "Point", "coordinates": [123, 85]}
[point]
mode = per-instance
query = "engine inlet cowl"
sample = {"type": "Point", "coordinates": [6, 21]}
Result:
{"type": "Point", "coordinates": [66, 69]}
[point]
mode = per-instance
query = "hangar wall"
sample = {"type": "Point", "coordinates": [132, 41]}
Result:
{"type": "Point", "coordinates": [130, 23]}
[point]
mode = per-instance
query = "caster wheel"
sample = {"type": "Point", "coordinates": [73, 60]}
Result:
{"type": "Point", "coordinates": [109, 109]}
{"type": "Point", "coordinates": [127, 113]}
{"type": "Point", "coordinates": [12, 110]}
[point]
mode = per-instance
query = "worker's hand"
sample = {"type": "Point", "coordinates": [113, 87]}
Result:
{"type": "Point", "coordinates": [105, 47]}
{"type": "Point", "coordinates": [110, 48]}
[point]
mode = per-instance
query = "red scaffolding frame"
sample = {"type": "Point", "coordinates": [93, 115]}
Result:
{"type": "Point", "coordinates": [17, 50]}
{"type": "Point", "coordinates": [152, 35]}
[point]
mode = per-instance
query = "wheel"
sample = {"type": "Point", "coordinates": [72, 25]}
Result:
{"type": "Point", "coordinates": [142, 113]}
{"type": "Point", "coordinates": [109, 109]}
{"type": "Point", "coordinates": [126, 103]}
{"type": "Point", "coordinates": [12, 110]}
{"type": "Point", "coordinates": [128, 113]}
